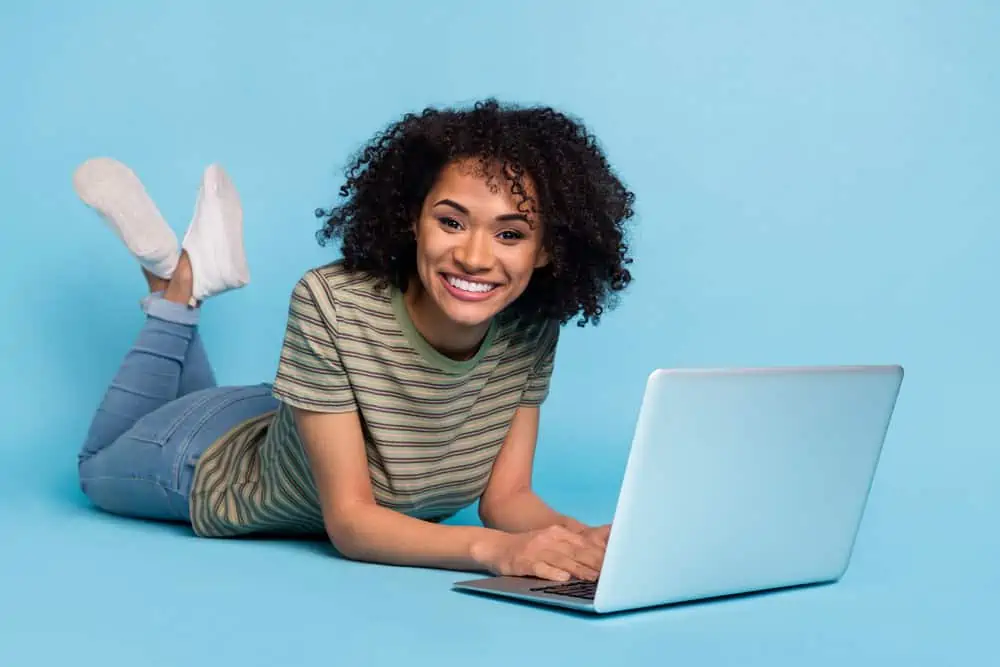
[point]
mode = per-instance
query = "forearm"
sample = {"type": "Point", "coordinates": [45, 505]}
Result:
{"type": "Point", "coordinates": [522, 512]}
{"type": "Point", "coordinates": [378, 534]}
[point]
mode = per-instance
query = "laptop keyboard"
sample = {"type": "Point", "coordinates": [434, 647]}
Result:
{"type": "Point", "coordinates": [576, 589]}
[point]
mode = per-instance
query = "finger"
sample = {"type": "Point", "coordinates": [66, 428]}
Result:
{"type": "Point", "coordinates": [570, 565]}
{"type": "Point", "coordinates": [563, 534]}
{"type": "Point", "coordinates": [544, 570]}
{"type": "Point", "coordinates": [578, 547]}
{"type": "Point", "coordinates": [592, 557]}
{"type": "Point", "coordinates": [588, 533]}
{"type": "Point", "coordinates": [582, 550]}
{"type": "Point", "coordinates": [602, 533]}
{"type": "Point", "coordinates": [593, 536]}
{"type": "Point", "coordinates": [559, 530]}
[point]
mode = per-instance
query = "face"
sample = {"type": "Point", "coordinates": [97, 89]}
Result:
{"type": "Point", "coordinates": [475, 251]}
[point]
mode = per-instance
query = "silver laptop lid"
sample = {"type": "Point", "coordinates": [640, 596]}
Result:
{"type": "Point", "coordinates": [745, 479]}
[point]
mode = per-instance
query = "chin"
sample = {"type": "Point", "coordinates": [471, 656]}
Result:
{"type": "Point", "coordinates": [469, 314]}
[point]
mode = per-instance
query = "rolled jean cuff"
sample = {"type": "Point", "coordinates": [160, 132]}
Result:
{"type": "Point", "coordinates": [156, 306]}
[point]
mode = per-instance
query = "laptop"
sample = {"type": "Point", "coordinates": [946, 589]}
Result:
{"type": "Point", "coordinates": [737, 481]}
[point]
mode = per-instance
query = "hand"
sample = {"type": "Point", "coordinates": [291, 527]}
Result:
{"type": "Point", "coordinates": [598, 535]}
{"type": "Point", "coordinates": [556, 553]}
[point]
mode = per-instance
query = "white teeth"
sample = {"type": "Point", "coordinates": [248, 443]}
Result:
{"type": "Point", "coordinates": [467, 286]}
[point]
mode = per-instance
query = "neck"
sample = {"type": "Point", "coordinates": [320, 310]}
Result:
{"type": "Point", "coordinates": [450, 339]}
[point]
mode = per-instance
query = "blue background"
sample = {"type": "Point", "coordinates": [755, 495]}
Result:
{"type": "Point", "coordinates": [817, 183]}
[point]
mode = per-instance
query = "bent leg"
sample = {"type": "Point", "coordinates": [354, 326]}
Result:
{"type": "Point", "coordinates": [148, 470]}
{"type": "Point", "coordinates": [196, 371]}
{"type": "Point", "coordinates": [149, 376]}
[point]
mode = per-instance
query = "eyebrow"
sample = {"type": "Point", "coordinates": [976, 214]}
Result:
{"type": "Point", "coordinates": [500, 218]}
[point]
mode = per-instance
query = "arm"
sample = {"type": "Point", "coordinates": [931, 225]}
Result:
{"type": "Point", "coordinates": [509, 503]}
{"type": "Point", "coordinates": [358, 527]}
{"type": "Point", "coordinates": [362, 530]}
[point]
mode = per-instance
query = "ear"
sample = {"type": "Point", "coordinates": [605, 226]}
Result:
{"type": "Point", "coordinates": [417, 214]}
{"type": "Point", "coordinates": [542, 258]}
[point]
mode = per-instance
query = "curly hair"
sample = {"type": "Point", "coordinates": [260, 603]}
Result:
{"type": "Point", "coordinates": [581, 202]}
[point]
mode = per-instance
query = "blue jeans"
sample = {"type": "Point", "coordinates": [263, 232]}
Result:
{"type": "Point", "coordinates": [162, 410]}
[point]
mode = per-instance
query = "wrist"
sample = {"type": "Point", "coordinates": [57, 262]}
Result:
{"type": "Point", "coordinates": [484, 547]}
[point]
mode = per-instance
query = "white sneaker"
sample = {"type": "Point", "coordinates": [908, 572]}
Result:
{"type": "Point", "coordinates": [214, 240]}
{"type": "Point", "coordinates": [115, 192]}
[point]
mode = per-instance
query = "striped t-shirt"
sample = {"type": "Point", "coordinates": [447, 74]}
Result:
{"type": "Point", "coordinates": [433, 425]}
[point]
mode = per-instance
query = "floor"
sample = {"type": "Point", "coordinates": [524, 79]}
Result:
{"type": "Point", "coordinates": [84, 588]}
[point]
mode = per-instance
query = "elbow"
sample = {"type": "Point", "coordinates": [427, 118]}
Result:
{"type": "Point", "coordinates": [490, 510]}
{"type": "Point", "coordinates": [344, 529]}
{"type": "Point", "coordinates": [344, 543]}
{"type": "Point", "coordinates": [496, 507]}
{"type": "Point", "coordinates": [486, 515]}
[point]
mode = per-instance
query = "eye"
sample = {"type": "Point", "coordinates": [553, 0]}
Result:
{"type": "Point", "coordinates": [511, 235]}
{"type": "Point", "coordinates": [450, 223]}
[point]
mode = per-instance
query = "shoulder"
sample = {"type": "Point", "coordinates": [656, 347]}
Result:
{"type": "Point", "coordinates": [539, 336]}
{"type": "Point", "coordinates": [336, 282]}
{"type": "Point", "coordinates": [530, 354]}
{"type": "Point", "coordinates": [332, 286]}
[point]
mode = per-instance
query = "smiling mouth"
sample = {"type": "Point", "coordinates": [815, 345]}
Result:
{"type": "Point", "coordinates": [473, 288]}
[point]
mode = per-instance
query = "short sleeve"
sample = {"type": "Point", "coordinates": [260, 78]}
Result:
{"type": "Point", "coordinates": [310, 373]}
{"type": "Point", "coordinates": [537, 387]}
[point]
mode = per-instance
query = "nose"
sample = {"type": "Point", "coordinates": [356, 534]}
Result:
{"type": "Point", "coordinates": [475, 253]}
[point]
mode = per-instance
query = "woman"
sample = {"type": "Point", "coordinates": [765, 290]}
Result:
{"type": "Point", "coordinates": [412, 370]}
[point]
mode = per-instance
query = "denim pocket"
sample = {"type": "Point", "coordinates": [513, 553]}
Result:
{"type": "Point", "coordinates": [227, 411]}
{"type": "Point", "coordinates": [161, 424]}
